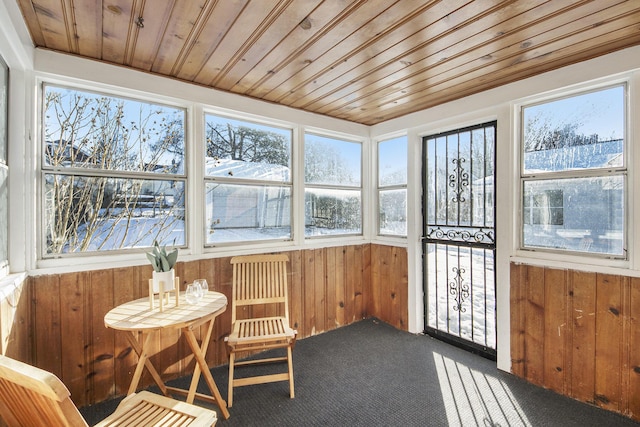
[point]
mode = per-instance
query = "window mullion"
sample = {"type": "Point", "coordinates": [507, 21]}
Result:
{"type": "Point", "coordinates": [574, 174]}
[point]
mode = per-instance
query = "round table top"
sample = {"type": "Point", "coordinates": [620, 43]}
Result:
{"type": "Point", "coordinates": [137, 315]}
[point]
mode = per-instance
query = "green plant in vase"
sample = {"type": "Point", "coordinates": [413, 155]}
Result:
{"type": "Point", "coordinates": [160, 259]}
{"type": "Point", "coordinates": [162, 263]}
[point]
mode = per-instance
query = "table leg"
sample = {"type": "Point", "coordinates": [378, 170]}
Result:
{"type": "Point", "coordinates": [143, 360]}
{"type": "Point", "coordinates": [202, 363]}
{"type": "Point", "coordinates": [196, 370]}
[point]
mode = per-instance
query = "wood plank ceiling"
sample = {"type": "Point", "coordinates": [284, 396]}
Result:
{"type": "Point", "coordinates": [363, 61]}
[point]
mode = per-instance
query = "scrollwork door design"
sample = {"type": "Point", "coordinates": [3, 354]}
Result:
{"type": "Point", "coordinates": [459, 235]}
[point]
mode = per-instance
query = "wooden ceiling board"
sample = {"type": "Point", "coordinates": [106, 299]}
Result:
{"type": "Point", "coordinates": [284, 24]}
{"type": "Point", "coordinates": [148, 42]}
{"type": "Point", "coordinates": [340, 27]}
{"type": "Point", "coordinates": [54, 25]}
{"type": "Point", "coordinates": [462, 56]}
{"type": "Point", "coordinates": [186, 19]}
{"type": "Point", "coordinates": [548, 57]}
{"type": "Point", "coordinates": [86, 16]}
{"type": "Point", "coordinates": [450, 93]}
{"type": "Point", "coordinates": [222, 17]}
{"type": "Point", "coordinates": [31, 20]}
{"type": "Point", "coordinates": [182, 63]}
{"type": "Point", "coordinates": [379, 36]}
{"type": "Point", "coordinates": [290, 47]}
{"type": "Point", "coordinates": [392, 64]}
{"type": "Point", "coordinates": [245, 32]}
{"type": "Point", "coordinates": [344, 53]}
{"type": "Point", "coordinates": [515, 58]}
{"type": "Point", "coordinates": [360, 60]}
{"type": "Point", "coordinates": [459, 66]}
{"type": "Point", "coordinates": [116, 29]}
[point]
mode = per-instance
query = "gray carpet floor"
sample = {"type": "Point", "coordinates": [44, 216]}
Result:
{"type": "Point", "coordinates": [371, 374]}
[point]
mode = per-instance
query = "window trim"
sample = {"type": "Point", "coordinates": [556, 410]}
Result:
{"type": "Point", "coordinates": [305, 185]}
{"type": "Point", "coordinates": [44, 259]}
{"type": "Point", "coordinates": [381, 188]}
{"type": "Point", "coordinates": [245, 182]}
{"type": "Point", "coordinates": [580, 257]}
{"type": "Point", "coordinates": [195, 105]}
{"type": "Point", "coordinates": [4, 163]}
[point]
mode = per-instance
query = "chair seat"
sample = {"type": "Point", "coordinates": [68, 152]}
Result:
{"type": "Point", "coordinates": [260, 329]}
{"type": "Point", "coordinates": [149, 409]}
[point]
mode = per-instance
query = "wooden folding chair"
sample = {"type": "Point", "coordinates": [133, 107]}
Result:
{"type": "Point", "coordinates": [260, 317]}
{"type": "Point", "coordinates": [30, 396]}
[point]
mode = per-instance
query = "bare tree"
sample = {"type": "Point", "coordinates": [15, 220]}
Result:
{"type": "Point", "coordinates": [90, 140]}
{"type": "Point", "coordinates": [226, 141]}
{"type": "Point", "coordinates": [324, 164]}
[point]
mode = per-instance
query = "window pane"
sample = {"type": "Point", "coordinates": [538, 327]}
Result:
{"type": "Point", "coordinates": [4, 173]}
{"type": "Point", "coordinates": [329, 212]}
{"type": "Point", "coordinates": [332, 161]}
{"type": "Point", "coordinates": [102, 214]}
{"type": "Point", "coordinates": [581, 132]}
{"type": "Point", "coordinates": [244, 150]}
{"type": "Point", "coordinates": [577, 214]}
{"type": "Point", "coordinates": [87, 130]}
{"type": "Point", "coordinates": [237, 213]}
{"type": "Point", "coordinates": [240, 169]}
{"type": "Point", "coordinates": [4, 216]}
{"type": "Point", "coordinates": [4, 111]}
{"type": "Point", "coordinates": [393, 212]}
{"type": "Point", "coordinates": [392, 162]}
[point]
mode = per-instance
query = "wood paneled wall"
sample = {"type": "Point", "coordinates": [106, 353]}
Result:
{"type": "Point", "coordinates": [578, 334]}
{"type": "Point", "coordinates": [64, 330]}
{"type": "Point", "coordinates": [389, 285]}
{"type": "Point", "coordinates": [15, 320]}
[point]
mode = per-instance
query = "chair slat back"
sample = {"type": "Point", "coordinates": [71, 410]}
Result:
{"type": "Point", "coordinates": [30, 396]}
{"type": "Point", "coordinates": [259, 280]}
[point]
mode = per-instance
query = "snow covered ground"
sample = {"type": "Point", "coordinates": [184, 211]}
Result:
{"type": "Point", "coordinates": [470, 269]}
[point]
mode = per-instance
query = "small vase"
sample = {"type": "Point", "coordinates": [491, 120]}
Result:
{"type": "Point", "coordinates": [166, 278]}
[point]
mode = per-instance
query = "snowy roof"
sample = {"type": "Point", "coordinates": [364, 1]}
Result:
{"type": "Point", "coordinates": [247, 170]}
{"type": "Point", "coordinates": [598, 155]}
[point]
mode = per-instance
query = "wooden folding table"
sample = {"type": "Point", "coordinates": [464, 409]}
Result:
{"type": "Point", "coordinates": [142, 324]}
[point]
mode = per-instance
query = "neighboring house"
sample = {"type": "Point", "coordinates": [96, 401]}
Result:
{"type": "Point", "coordinates": [567, 215]}
{"type": "Point", "coordinates": [247, 206]}
{"type": "Point", "coordinates": [118, 193]}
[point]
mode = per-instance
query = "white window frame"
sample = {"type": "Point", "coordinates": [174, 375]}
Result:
{"type": "Point", "coordinates": [196, 105]}
{"type": "Point", "coordinates": [119, 256]}
{"type": "Point", "coordinates": [4, 165]}
{"type": "Point", "coordinates": [260, 121]}
{"type": "Point", "coordinates": [382, 188]}
{"type": "Point", "coordinates": [361, 189]}
{"type": "Point", "coordinates": [561, 256]}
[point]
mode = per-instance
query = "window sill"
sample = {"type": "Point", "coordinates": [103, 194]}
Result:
{"type": "Point", "coordinates": [9, 283]}
{"type": "Point", "coordinates": [573, 262]}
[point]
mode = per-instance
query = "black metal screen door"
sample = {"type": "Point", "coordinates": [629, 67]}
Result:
{"type": "Point", "coordinates": [459, 237]}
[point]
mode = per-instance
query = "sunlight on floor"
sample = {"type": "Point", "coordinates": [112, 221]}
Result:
{"type": "Point", "coordinates": [473, 396]}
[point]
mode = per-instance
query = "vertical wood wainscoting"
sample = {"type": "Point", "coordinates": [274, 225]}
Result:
{"type": "Point", "coordinates": [578, 334]}
{"type": "Point", "coordinates": [329, 288]}
{"type": "Point", "coordinates": [389, 292]}
{"type": "Point", "coordinates": [15, 319]}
